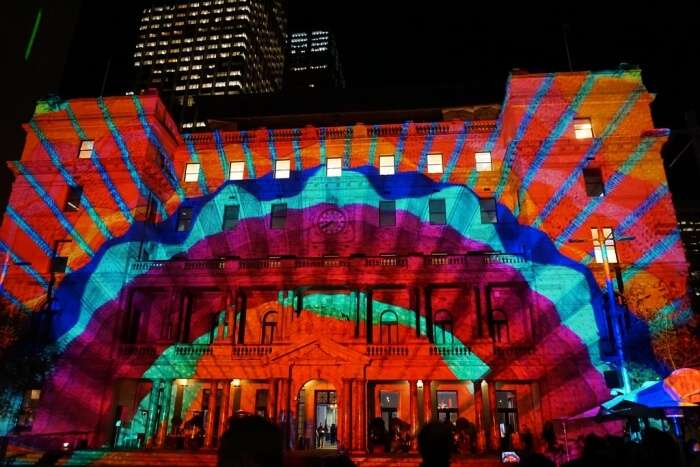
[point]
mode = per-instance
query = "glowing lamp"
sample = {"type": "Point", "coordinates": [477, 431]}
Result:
{"type": "Point", "coordinates": [419, 384]}
{"type": "Point", "coordinates": [236, 383]}
{"type": "Point", "coordinates": [182, 382]}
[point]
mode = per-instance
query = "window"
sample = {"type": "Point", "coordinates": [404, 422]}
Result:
{"type": "Point", "coordinates": [436, 211]}
{"type": "Point", "coordinates": [488, 210]}
{"type": "Point", "coordinates": [442, 328]}
{"type": "Point", "coordinates": [192, 172]}
{"type": "Point", "coordinates": [236, 170]}
{"type": "Point", "coordinates": [594, 182]}
{"type": "Point", "coordinates": [268, 327]}
{"type": "Point", "coordinates": [278, 215]}
{"type": "Point", "coordinates": [434, 163]}
{"type": "Point", "coordinates": [184, 219]}
{"type": "Point", "coordinates": [506, 413]}
{"type": "Point", "coordinates": [608, 241]}
{"type": "Point", "coordinates": [230, 216]}
{"type": "Point", "coordinates": [389, 403]}
{"type": "Point", "coordinates": [499, 327]}
{"type": "Point", "coordinates": [261, 402]}
{"type": "Point", "coordinates": [483, 161]}
{"type": "Point", "coordinates": [334, 167]}
{"type": "Point", "coordinates": [447, 407]}
{"type": "Point", "coordinates": [388, 327]}
{"type": "Point", "coordinates": [386, 165]}
{"type": "Point", "coordinates": [387, 213]}
{"type": "Point", "coordinates": [583, 128]}
{"type": "Point", "coordinates": [86, 149]}
{"type": "Point", "coordinates": [75, 193]}
{"type": "Point", "coordinates": [282, 168]}
{"type": "Point", "coordinates": [59, 264]}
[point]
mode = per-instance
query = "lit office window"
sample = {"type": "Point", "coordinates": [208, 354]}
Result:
{"type": "Point", "coordinates": [282, 168]}
{"type": "Point", "coordinates": [583, 128]}
{"type": "Point", "coordinates": [86, 149]}
{"type": "Point", "coordinates": [593, 178]}
{"type": "Point", "coordinates": [487, 206]}
{"type": "Point", "coordinates": [483, 161]}
{"type": "Point", "coordinates": [434, 163]}
{"type": "Point", "coordinates": [236, 170]}
{"type": "Point", "coordinates": [334, 167]}
{"type": "Point", "coordinates": [437, 212]}
{"type": "Point", "coordinates": [192, 172]}
{"type": "Point", "coordinates": [386, 165]}
{"type": "Point", "coordinates": [608, 242]}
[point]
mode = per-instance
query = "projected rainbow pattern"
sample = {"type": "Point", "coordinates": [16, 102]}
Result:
{"type": "Point", "coordinates": [536, 181]}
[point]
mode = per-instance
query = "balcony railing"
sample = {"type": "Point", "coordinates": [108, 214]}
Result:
{"type": "Point", "coordinates": [251, 351]}
{"type": "Point", "coordinates": [137, 350]}
{"type": "Point", "coordinates": [193, 350]}
{"type": "Point", "coordinates": [387, 351]}
{"type": "Point", "coordinates": [449, 351]}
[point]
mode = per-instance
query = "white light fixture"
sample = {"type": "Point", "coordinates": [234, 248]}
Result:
{"type": "Point", "coordinates": [419, 384]}
{"type": "Point", "coordinates": [236, 383]}
{"type": "Point", "coordinates": [181, 382]}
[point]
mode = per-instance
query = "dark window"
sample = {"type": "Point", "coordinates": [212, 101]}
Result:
{"type": "Point", "coordinates": [268, 327]}
{"type": "Point", "coordinates": [387, 213]}
{"type": "Point", "coordinates": [388, 328]}
{"type": "Point", "coordinates": [447, 407]}
{"type": "Point", "coordinates": [184, 219]}
{"type": "Point", "coordinates": [75, 193]}
{"type": "Point", "coordinates": [500, 327]}
{"type": "Point", "coordinates": [507, 413]}
{"type": "Point", "coordinates": [261, 402]}
{"type": "Point", "coordinates": [488, 210]}
{"type": "Point", "coordinates": [442, 327]}
{"type": "Point", "coordinates": [278, 216]}
{"type": "Point", "coordinates": [59, 264]}
{"type": "Point", "coordinates": [594, 182]}
{"type": "Point", "coordinates": [436, 209]}
{"type": "Point", "coordinates": [230, 217]}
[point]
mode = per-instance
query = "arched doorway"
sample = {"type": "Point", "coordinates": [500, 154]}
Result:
{"type": "Point", "coordinates": [317, 415]}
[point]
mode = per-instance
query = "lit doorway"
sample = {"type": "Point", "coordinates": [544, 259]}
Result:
{"type": "Point", "coordinates": [317, 416]}
{"type": "Point", "coordinates": [326, 421]}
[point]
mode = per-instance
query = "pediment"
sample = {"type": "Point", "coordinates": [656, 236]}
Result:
{"type": "Point", "coordinates": [319, 351]}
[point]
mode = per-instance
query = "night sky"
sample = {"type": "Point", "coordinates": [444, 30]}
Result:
{"type": "Point", "coordinates": [411, 50]}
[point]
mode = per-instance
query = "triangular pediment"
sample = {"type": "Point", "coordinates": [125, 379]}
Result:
{"type": "Point", "coordinates": [320, 351]}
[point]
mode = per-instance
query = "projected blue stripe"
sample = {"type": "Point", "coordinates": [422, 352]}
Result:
{"type": "Point", "coordinates": [12, 299]}
{"type": "Point", "coordinates": [509, 156]}
{"type": "Point", "coordinates": [347, 149]}
{"type": "Point", "coordinates": [647, 204]}
{"type": "Point", "coordinates": [223, 160]}
{"type": "Point", "coordinates": [427, 144]}
{"type": "Point", "coordinates": [593, 149]}
{"type": "Point", "coordinates": [46, 198]}
{"type": "Point", "coordinates": [456, 151]}
{"type": "Point", "coordinates": [493, 137]}
{"type": "Point", "coordinates": [194, 157]}
{"type": "Point", "coordinates": [372, 153]}
{"type": "Point", "coordinates": [248, 153]}
{"type": "Point", "coordinates": [401, 143]}
{"type": "Point", "coordinates": [561, 126]}
{"type": "Point", "coordinates": [322, 144]}
{"type": "Point", "coordinates": [27, 229]}
{"type": "Point", "coordinates": [651, 255]}
{"type": "Point", "coordinates": [24, 265]}
{"type": "Point", "coordinates": [271, 146]}
{"type": "Point", "coordinates": [167, 168]}
{"type": "Point", "coordinates": [610, 185]}
{"type": "Point", "coordinates": [56, 161]}
{"type": "Point", "coordinates": [126, 158]}
{"type": "Point", "coordinates": [101, 171]}
{"type": "Point", "coordinates": [296, 145]}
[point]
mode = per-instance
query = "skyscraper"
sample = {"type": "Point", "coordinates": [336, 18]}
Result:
{"type": "Point", "coordinates": [212, 47]}
{"type": "Point", "coordinates": [312, 61]}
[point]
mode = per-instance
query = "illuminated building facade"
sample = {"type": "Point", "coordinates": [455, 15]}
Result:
{"type": "Point", "coordinates": [312, 61]}
{"type": "Point", "coordinates": [211, 47]}
{"type": "Point", "coordinates": [339, 274]}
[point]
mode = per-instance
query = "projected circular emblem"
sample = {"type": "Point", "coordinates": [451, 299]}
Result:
{"type": "Point", "coordinates": [332, 221]}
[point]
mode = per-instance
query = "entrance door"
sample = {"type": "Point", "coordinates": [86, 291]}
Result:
{"type": "Point", "coordinates": [389, 402]}
{"type": "Point", "coordinates": [326, 421]}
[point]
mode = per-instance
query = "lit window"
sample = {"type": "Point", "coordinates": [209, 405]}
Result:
{"type": "Point", "coordinates": [334, 167]}
{"type": "Point", "coordinates": [387, 213]}
{"type": "Point", "coordinates": [236, 170]}
{"type": "Point", "coordinates": [487, 206]}
{"type": "Point", "coordinates": [230, 216]}
{"type": "Point", "coordinates": [86, 149]}
{"type": "Point", "coordinates": [75, 193]}
{"type": "Point", "coordinates": [192, 172]}
{"type": "Point", "coordinates": [278, 215]}
{"type": "Point", "coordinates": [437, 212]}
{"type": "Point", "coordinates": [583, 128]}
{"type": "Point", "coordinates": [483, 161]}
{"type": "Point", "coordinates": [594, 182]}
{"type": "Point", "coordinates": [184, 219]}
{"type": "Point", "coordinates": [386, 165]}
{"type": "Point", "coordinates": [608, 241]}
{"type": "Point", "coordinates": [282, 168]}
{"type": "Point", "coordinates": [434, 163]}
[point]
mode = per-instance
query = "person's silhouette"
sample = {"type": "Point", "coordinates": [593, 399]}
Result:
{"type": "Point", "coordinates": [435, 444]}
{"type": "Point", "coordinates": [251, 441]}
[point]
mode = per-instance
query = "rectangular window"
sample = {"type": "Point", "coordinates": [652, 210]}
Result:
{"type": "Point", "coordinates": [483, 161]}
{"type": "Point", "coordinates": [434, 163]}
{"type": "Point", "coordinates": [387, 213]}
{"type": "Point", "coordinates": [75, 193]}
{"type": "Point", "coordinates": [59, 264]}
{"type": "Point", "coordinates": [436, 211]}
{"type": "Point", "coordinates": [386, 165]}
{"type": "Point", "coordinates": [278, 215]}
{"type": "Point", "coordinates": [184, 219]}
{"type": "Point", "coordinates": [594, 182]}
{"type": "Point", "coordinates": [86, 149]}
{"type": "Point", "coordinates": [583, 128]}
{"type": "Point", "coordinates": [334, 167]}
{"type": "Point", "coordinates": [261, 402]}
{"type": "Point", "coordinates": [236, 170]}
{"type": "Point", "coordinates": [608, 242]}
{"type": "Point", "coordinates": [488, 210]}
{"type": "Point", "coordinates": [506, 412]}
{"type": "Point", "coordinates": [447, 407]}
{"type": "Point", "coordinates": [192, 172]}
{"type": "Point", "coordinates": [282, 168]}
{"type": "Point", "coordinates": [230, 216]}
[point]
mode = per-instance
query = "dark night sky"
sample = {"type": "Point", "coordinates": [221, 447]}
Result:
{"type": "Point", "coordinates": [411, 48]}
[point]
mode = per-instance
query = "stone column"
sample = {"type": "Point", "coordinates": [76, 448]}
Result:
{"type": "Point", "coordinates": [428, 307]}
{"type": "Point", "coordinates": [272, 400]}
{"type": "Point", "coordinates": [165, 413]}
{"type": "Point", "coordinates": [209, 430]}
{"type": "Point", "coordinates": [231, 309]}
{"type": "Point", "coordinates": [494, 432]}
{"type": "Point", "coordinates": [359, 392]}
{"type": "Point", "coordinates": [346, 408]}
{"type": "Point", "coordinates": [413, 406]}
{"type": "Point", "coordinates": [479, 417]}
{"type": "Point", "coordinates": [225, 400]}
{"type": "Point", "coordinates": [427, 401]}
{"type": "Point", "coordinates": [149, 429]}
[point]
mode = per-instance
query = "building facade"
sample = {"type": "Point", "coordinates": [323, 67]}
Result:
{"type": "Point", "coordinates": [312, 61]}
{"type": "Point", "coordinates": [336, 275]}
